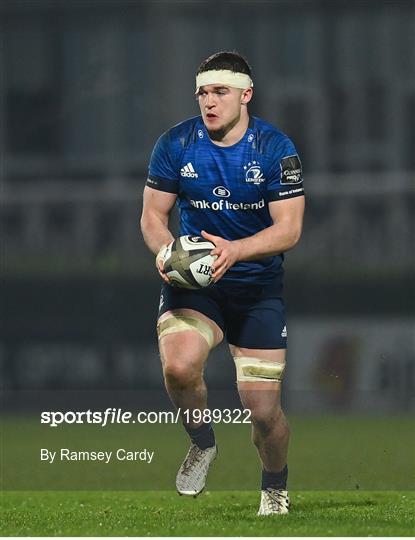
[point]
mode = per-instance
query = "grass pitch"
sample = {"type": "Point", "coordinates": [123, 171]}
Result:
{"type": "Point", "coordinates": [223, 513]}
{"type": "Point", "coordinates": [342, 473]}
{"type": "Point", "coordinates": [332, 453]}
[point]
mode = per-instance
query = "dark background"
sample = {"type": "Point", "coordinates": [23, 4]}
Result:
{"type": "Point", "coordinates": [88, 86]}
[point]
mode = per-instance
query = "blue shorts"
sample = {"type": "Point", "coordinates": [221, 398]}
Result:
{"type": "Point", "coordinates": [251, 316]}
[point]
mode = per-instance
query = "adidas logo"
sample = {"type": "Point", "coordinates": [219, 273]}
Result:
{"type": "Point", "coordinates": [188, 171]}
{"type": "Point", "coordinates": [284, 332]}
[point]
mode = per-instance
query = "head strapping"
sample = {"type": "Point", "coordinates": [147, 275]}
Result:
{"type": "Point", "coordinates": [225, 77]}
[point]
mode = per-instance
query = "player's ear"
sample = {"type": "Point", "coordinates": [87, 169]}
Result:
{"type": "Point", "coordinates": [246, 96]}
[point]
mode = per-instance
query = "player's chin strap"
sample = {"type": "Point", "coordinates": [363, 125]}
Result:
{"type": "Point", "coordinates": [257, 369]}
{"type": "Point", "coordinates": [179, 323]}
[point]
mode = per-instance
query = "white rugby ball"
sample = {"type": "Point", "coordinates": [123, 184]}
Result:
{"type": "Point", "coordinates": [188, 262]}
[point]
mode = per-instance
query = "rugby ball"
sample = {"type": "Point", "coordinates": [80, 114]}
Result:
{"type": "Point", "coordinates": [188, 262]}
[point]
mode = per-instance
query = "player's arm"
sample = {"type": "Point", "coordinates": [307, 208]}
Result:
{"type": "Point", "coordinates": [154, 222]}
{"type": "Point", "coordinates": [282, 235]}
{"type": "Point", "coordinates": [287, 218]}
{"type": "Point", "coordinates": [159, 196]}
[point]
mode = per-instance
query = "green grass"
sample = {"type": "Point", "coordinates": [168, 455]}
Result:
{"type": "Point", "coordinates": [326, 453]}
{"type": "Point", "coordinates": [212, 514]}
{"type": "Point", "coordinates": [349, 476]}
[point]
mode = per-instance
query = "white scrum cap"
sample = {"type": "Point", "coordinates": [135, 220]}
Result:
{"type": "Point", "coordinates": [225, 77]}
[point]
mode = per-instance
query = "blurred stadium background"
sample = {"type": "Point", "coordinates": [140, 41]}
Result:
{"type": "Point", "coordinates": [86, 89]}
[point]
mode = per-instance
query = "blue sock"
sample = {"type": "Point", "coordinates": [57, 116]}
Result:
{"type": "Point", "coordinates": [203, 436]}
{"type": "Point", "coordinates": [276, 480]}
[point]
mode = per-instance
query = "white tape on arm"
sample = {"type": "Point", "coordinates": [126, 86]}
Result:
{"type": "Point", "coordinates": [161, 255]}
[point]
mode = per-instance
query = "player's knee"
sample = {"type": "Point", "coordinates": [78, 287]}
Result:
{"type": "Point", "coordinates": [265, 420]}
{"type": "Point", "coordinates": [181, 374]}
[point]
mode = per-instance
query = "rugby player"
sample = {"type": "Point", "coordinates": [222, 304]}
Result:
{"type": "Point", "coordinates": [254, 169]}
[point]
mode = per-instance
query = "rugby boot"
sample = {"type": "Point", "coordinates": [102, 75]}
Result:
{"type": "Point", "coordinates": [274, 501]}
{"type": "Point", "coordinates": [191, 478]}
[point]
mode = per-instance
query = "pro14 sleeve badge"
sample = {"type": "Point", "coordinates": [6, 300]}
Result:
{"type": "Point", "coordinates": [291, 172]}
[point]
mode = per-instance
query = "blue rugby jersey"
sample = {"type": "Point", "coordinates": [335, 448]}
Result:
{"type": "Point", "coordinates": [225, 190]}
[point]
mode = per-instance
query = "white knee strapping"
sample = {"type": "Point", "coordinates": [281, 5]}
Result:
{"type": "Point", "coordinates": [257, 369]}
{"type": "Point", "coordinates": [180, 323]}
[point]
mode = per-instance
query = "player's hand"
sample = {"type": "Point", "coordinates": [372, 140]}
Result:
{"type": "Point", "coordinates": [226, 251]}
{"type": "Point", "coordinates": [160, 258]}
